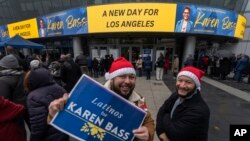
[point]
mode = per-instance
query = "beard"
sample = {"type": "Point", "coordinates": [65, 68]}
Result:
{"type": "Point", "coordinates": [117, 90]}
{"type": "Point", "coordinates": [188, 94]}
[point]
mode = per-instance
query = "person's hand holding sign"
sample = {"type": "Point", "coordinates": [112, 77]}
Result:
{"type": "Point", "coordinates": [57, 105]}
{"type": "Point", "coordinates": [141, 133]}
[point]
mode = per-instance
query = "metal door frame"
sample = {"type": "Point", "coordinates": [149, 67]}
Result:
{"type": "Point", "coordinates": [130, 49]}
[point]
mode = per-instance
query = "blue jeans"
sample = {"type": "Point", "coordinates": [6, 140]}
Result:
{"type": "Point", "coordinates": [238, 75]}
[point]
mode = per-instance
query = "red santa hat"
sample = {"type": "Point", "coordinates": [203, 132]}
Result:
{"type": "Point", "coordinates": [194, 73]}
{"type": "Point", "coordinates": [120, 66]}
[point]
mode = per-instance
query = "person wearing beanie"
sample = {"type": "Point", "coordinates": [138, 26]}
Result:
{"type": "Point", "coordinates": [10, 50]}
{"type": "Point", "coordinates": [121, 78]}
{"type": "Point", "coordinates": [184, 115]}
{"type": "Point", "coordinates": [9, 62]}
{"type": "Point", "coordinates": [11, 85]}
{"type": "Point", "coordinates": [11, 77]}
{"type": "Point", "coordinates": [34, 64]}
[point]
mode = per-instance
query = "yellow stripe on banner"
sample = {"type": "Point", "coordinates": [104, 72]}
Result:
{"type": "Point", "coordinates": [148, 17]}
{"type": "Point", "coordinates": [27, 29]}
{"type": "Point", "coordinates": [240, 27]}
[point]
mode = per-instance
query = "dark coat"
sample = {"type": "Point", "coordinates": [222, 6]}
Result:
{"type": "Point", "coordinates": [225, 66]}
{"type": "Point", "coordinates": [81, 60]}
{"type": "Point", "coordinates": [43, 91]}
{"type": "Point", "coordinates": [190, 119]}
{"type": "Point", "coordinates": [147, 64]}
{"type": "Point", "coordinates": [11, 87]}
{"type": "Point", "coordinates": [160, 62]}
{"type": "Point", "coordinates": [241, 64]}
{"type": "Point", "coordinates": [189, 62]}
{"type": "Point", "coordinates": [70, 73]}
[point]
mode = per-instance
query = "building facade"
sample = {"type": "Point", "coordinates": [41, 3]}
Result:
{"type": "Point", "coordinates": [130, 28]}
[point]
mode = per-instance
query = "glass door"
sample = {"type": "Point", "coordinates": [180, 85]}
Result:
{"type": "Point", "coordinates": [98, 51]}
{"type": "Point", "coordinates": [148, 51]}
{"type": "Point", "coordinates": [136, 51]}
{"type": "Point", "coordinates": [131, 52]}
{"type": "Point", "coordinates": [103, 51]}
{"type": "Point", "coordinates": [158, 51]}
{"type": "Point", "coordinates": [167, 51]}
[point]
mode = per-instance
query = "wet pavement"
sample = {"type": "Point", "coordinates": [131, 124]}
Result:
{"type": "Point", "coordinates": [225, 108]}
{"type": "Point", "coordinates": [244, 86]}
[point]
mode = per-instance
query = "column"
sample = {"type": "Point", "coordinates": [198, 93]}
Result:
{"type": "Point", "coordinates": [77, 46]}
{"type": "Point", "coordinates": [189, 48]}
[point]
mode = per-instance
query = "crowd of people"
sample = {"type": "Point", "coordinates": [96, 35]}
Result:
{"type": "Point", "coordinates": [220, 67]}
{"type": "Point", "coordinates": [94, 67]}
{"type": "Point", "coordinates": [162, 65]}
{"type": "Point", "coordinates": [34, 93]}
{"type": "Point", "coordinates": [28, 85]}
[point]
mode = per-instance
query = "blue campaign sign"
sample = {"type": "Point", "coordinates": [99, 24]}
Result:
{"type": "Point", "coordinates": [95, 113]}
{"type": "Point", "coordinates": [4, 33]}
{"type": "Point", "coordinates": [205, 20]}
{"type": "Point", "coordinates": [68, 22]}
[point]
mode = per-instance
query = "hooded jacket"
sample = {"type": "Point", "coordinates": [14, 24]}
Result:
{"type": "Point", "coordinates": [148, 121]}
{"type": "Point", "coordinates": [43, 90]}
{"type": "Point", "coordinates": [11, 78]}
{"type": "Point", "coordinates": [9, 126]}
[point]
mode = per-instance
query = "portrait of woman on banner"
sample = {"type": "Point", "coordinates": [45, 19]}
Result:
{"type": "Point", "coordinates": [185, 24]}
{"type": "Point", "coordinates": [42, 28]}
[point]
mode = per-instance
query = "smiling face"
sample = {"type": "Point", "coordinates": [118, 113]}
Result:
{"type": "Point", "coordinates": [185, 86]}
{"type": "Point", "coordinates": [186, 14]}
{"type": "Point", "coordinates": [123, 85]}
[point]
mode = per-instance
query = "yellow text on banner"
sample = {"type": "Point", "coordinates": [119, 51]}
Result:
{"type": "Point", "coordinates": [136, 17]}
{"type": "Point", "coordinates": [27, 29]}
{"type": "Point", "coordinates": [240, 27]}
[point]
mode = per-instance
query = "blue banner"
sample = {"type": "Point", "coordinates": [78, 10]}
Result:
{"type": "Point", "coordinates": [68, 22]}
{"type": "Point", "coordinates": [205, 20]}
{"type": "Point", "coordinates": [95, 113]}
{"type": "Point", "coordinates": [4, 33]}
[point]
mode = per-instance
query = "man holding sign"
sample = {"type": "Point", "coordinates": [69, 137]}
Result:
{"type": "Point", "coordinates": [121, 79]}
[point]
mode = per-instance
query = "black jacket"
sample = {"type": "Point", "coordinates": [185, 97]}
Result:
{"type": "Point", "coordinates": [190, 119]}
{"type": "Point", "coordinates": [70, 73]}
{"type": "Point", "coordinates": [43, 91]}
{"type": "Point", "coordinates": [11, 87]}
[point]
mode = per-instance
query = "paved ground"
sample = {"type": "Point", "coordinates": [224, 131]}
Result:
{"type": "Point", "coordinates": [244, 86]}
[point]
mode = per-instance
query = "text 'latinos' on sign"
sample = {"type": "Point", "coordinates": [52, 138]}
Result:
{"type": "Point", "coordinates": [127, 13]}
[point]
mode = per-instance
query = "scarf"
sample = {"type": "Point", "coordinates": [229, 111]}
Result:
{"type": "Point", "coordinates": [10, 72]}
